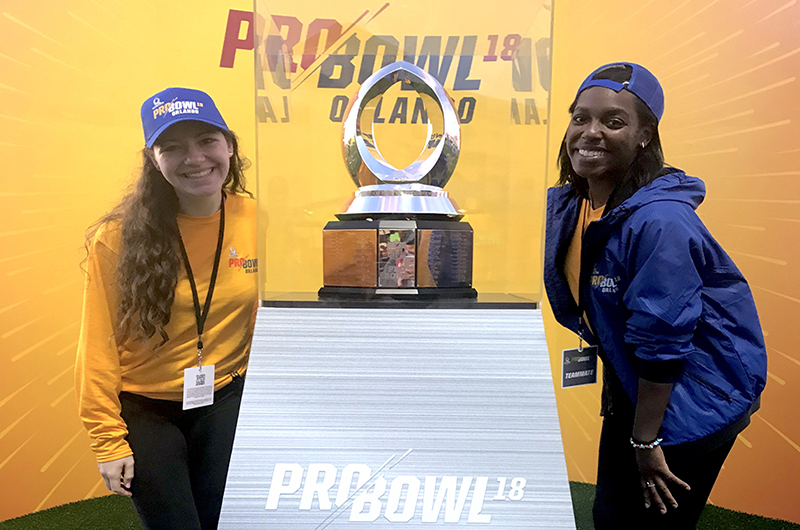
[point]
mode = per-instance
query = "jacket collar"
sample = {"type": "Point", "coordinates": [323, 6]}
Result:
{"type": "Point", "coordinates": [628, 188]}
{"type": "Point", "coordinates": [671, 184]}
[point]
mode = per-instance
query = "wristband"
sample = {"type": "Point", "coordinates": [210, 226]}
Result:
{"type": "Point", "coordinates": [650, 445]}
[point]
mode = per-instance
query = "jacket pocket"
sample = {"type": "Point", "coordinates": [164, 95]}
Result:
{"type": "Point", "coordinates": [713, 388]}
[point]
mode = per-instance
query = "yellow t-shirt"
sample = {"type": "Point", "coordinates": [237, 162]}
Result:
{"type": "Point", "coordinates": [105, 368]}
{"type": "Point", "coordinates": [572, 263]}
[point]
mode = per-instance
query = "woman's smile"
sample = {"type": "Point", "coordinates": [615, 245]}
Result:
{"type": "Point", "coordinates": [591, 153]}
{"type": "Point", "coordinates": [199, 174]}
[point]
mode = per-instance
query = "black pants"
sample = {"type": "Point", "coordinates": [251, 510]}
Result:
{"type": "Point", "coordinates": [180, 458]}
{"type": "Point", "coordinates": [619, 502]}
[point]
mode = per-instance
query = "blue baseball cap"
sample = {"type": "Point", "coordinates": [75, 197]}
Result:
{"type": "Point", "coordinates": [642, 83]}
{"type": "Point", "coordinates": [173, 105]}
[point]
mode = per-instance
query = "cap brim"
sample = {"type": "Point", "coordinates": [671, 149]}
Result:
{"type": "Point", "coordinates": [153, 137]}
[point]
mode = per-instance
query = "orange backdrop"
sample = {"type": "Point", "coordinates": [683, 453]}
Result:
{"type": "Point", "coordinates": [75, 72]}
{"type": "Point", "coordinates": [72, 77]}
{"type": "Point", "coordinates": [732, 118]}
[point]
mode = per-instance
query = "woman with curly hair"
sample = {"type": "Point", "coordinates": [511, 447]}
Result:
{"type": "Point", "coordinates": [168, 313]}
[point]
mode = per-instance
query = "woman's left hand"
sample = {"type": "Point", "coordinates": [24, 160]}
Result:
{"type": "Point", "coordinates": [656, 479]}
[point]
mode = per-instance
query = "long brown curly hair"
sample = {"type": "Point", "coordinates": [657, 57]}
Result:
{"type": "Point", "coordinates": [148, 265]}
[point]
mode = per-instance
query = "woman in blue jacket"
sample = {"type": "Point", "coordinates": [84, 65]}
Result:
{"type": "Point", "coordinates": [631, 268]}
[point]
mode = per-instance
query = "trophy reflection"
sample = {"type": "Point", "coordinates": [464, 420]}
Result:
{"type": "Point", "coordinates": [401, 235]}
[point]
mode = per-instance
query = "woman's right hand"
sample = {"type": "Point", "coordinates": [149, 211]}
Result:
{"type": "Point", "coordinates": [118, 474]}
{"type": "Point", "coordinates": [657, 479]}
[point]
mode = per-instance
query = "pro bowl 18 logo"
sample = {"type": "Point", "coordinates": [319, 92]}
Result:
{"type": "Point", "coordinates": [606, 284]}
{"type": "Point", "coordinates": [175, 107]}
{"type": "Point", "coordinates": [292, 51]}
{"type": "Point", "coordinates": [361, 494]}
{"type": "Point", "coordinates": [247, 264]}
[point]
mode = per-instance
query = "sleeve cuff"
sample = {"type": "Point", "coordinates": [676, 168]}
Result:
{"type": "Point", "coordinates": [122, 452]}
{"type": "Point", "coordinates": [660, 371]}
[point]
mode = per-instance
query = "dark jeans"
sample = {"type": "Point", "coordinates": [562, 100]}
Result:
{"type": "Point", "coordinates": [619, 502]}
{"type": "Point", "coordinates": [180, 458]}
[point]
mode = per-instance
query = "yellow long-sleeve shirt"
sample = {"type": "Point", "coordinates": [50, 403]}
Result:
{"type": "Point", "coordinates": [104, 368]}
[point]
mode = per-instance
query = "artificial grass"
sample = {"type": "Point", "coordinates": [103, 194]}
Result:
{"type": "Point", "coordinates": [116, 513]}
{"type": "Point", "coordinates": [112, 512]}
{"type": "Point", "coordinates": [713, 518]}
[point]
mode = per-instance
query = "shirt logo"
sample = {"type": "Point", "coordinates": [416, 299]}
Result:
{"type": "Point", "coordinates": [248, 265]}
{"type": "Point", "coordinates": [606, 284]}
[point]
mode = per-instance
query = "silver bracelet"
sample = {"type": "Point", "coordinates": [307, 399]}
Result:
{"type": "Point", "coordinates": [652, 445]}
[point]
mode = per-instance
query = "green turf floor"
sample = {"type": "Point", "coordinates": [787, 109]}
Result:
{"type": "Point", "coordinates": [116, 513]}
{"type": "Point", "coordinates": [713, 518]}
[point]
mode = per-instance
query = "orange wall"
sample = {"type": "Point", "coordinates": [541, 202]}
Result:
{"type": "Point", "coordinates": [72, 77]}
{"type": "Point", "coordinates": [729, 72]}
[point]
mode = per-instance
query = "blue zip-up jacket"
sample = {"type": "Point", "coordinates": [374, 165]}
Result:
{"type": "Point", "coordinates": [665, 302]}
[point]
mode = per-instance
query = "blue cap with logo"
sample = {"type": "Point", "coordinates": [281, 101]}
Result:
{"type": "Point", "coordinates": [173, 105]}
{"type": "Point", "coordinates": [642, 83]}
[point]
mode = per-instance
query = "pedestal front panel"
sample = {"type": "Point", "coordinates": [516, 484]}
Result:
{"type": "Point", "coordinates": [380, 418]}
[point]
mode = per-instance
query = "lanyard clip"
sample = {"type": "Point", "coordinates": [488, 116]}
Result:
{"type": "Point", "coordinates": [580, 344]}
{"type": "Point", "coordinates": [200, 353]}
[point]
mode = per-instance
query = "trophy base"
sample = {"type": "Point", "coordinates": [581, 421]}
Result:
{"type": "Point", "coordinates": [401, 201]}
{"type": "Point", "coordinates": [406, 257]}
{"type": "Point", "coordinates": [396, 217]}
{"type": "Point", "coordinates": [422, 293]}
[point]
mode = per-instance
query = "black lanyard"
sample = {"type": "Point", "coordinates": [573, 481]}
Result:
{"type": "Point", "coordinates": [201, 315]}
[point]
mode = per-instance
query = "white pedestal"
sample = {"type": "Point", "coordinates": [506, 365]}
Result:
{"type": "Point", "coordinates": [377, 417]}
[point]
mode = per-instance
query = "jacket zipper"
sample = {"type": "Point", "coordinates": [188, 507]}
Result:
{"type": "Point", "coordinates": [721, 393]}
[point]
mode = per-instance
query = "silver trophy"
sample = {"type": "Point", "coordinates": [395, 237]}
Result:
{"type": "Point", "coordinates": [401, 235]}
